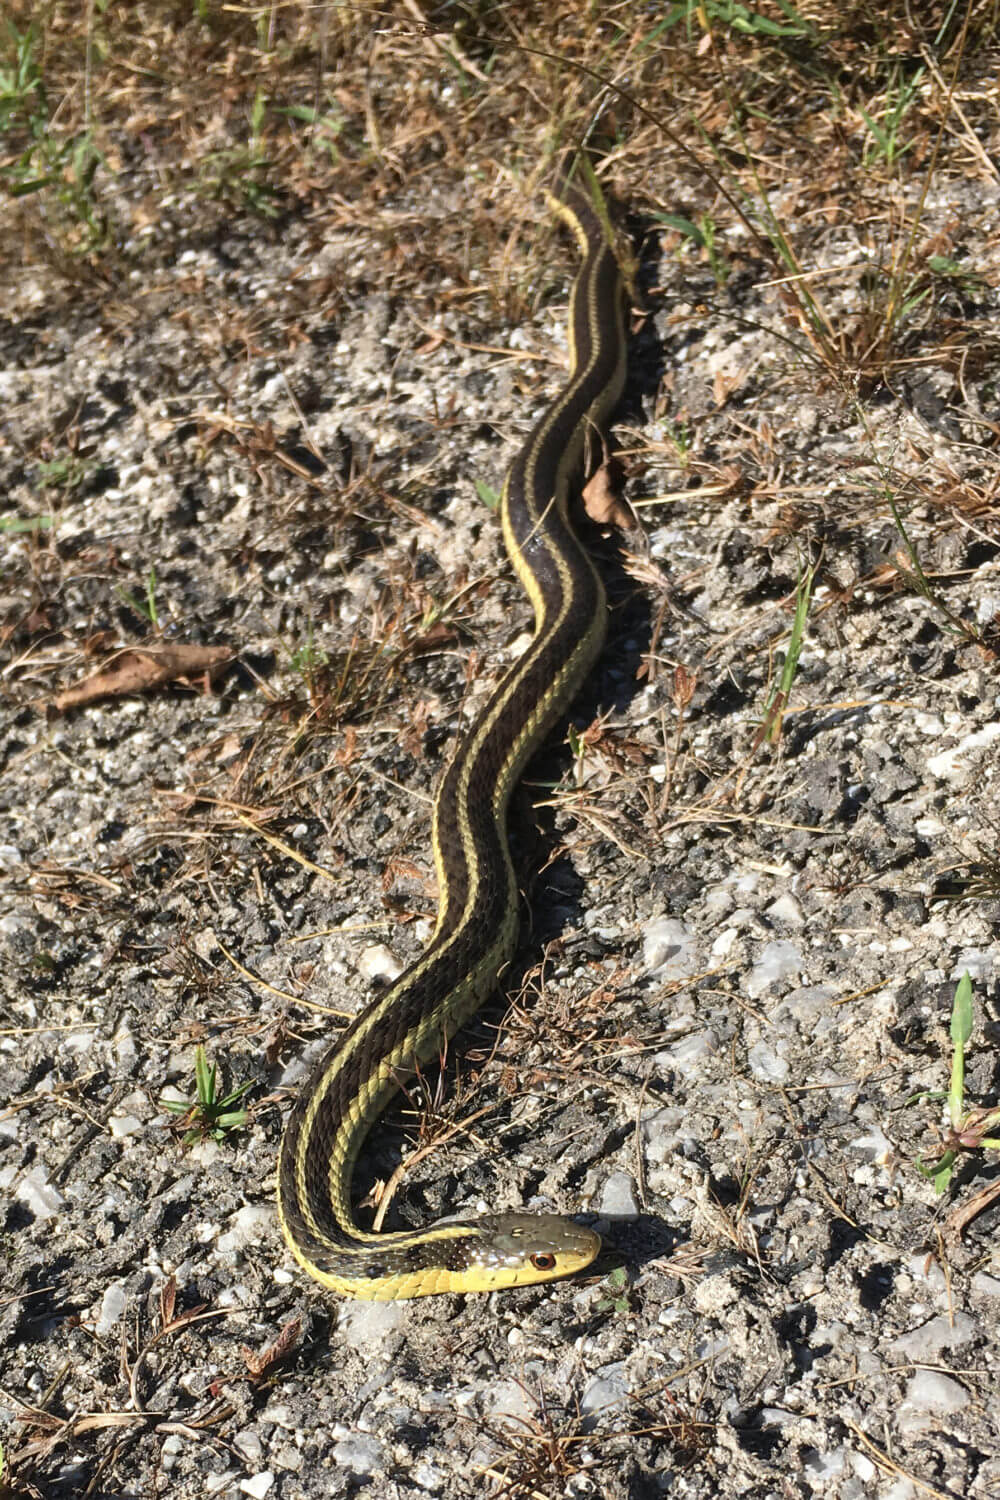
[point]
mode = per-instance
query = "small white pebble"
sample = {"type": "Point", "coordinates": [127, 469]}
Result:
{"type": "Point", "coordinates": [787, 911]}
{"type": "Point", "coordinates": [669, 949]}
{"type": "Point", "coordinates": [767, 1064]}
{"type": "Point", "coordinates": [112, 1306]}
{"type": "Point", "coordinates": [258, 1484]}
{"type": "Point", "coordinates": [368, 1325]}
{"type": "Point", "coordinates": [38, 1195]}
{"type": "Point", "coordinates": [923, 1345]}
{"type": "Point", "coordinates": [619, 1197]}
{"type": "Point", "coordinates": [379, 962]}
{"type": "Point", "coordinates": [358, 1453]}
{"type": "Point", "coordinates": [245, 1228]}
{"type": "Point", "coordinates": [779, 960]}
{"type": "Point", "coordinates": [930, 1390]}
{"type": "Point", "coordinates": [950, 764]}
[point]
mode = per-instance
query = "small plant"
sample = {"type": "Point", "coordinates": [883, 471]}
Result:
{"type": "Point", "coordinates": [910, 569]}
{"type": "Point", "coordinates": [703, 236]}
{"type": "Point", "coordinates": [681, 439]}
{"type": "Point", "coordinates": [739, 18]}
{"type": "Point", "coordinates": [207, 1116]}
{"type": "Point", "coordinates": [968, 1129]}
{"type": "Point", "coordinates": [145, 608]}
{"type": "Point", "coordinates": [965, 280]}
{"type": "Point", "coordinates": [617, 1299]}
{"type": "Point", "coordinates": [25, 525]}
{"type": "Point", "coordinates": [577, 744]}
{"type": "Point", "coordinates": [544, 1452]}
{"type": "Point", "coordinates": [781, 691]}
{"type": "Point", "coordinates": [239, 175]}
{"type": "Point", "coordinates": [21, 93]}
{"type": "Point", "coordinates": [66, 473]}
{"type": "Point", "coordinates": [487, 494]}
{"type": "Point", "coordinates": [885, 143]}
{"type": "Point", "coordinates": [312, 664]}
{"type": "Point", "coordinates": [324, 128]}
{"type": "Point", "coordinates": [977, 881]}
{"type": "Point", "coordinates": [310, 659]}
{"type": "Point", "coordinates": [44, 159]}
{"type": "Point", "coordinates": [555, 1450]}
{"type": "Point", "coordinates": [940, 275]}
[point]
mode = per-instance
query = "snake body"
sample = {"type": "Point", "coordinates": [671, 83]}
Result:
{"type": "Point", "coordinates": [477, 920]}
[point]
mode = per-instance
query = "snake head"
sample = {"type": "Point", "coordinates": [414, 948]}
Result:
{"type": "Point", "coordinates": [522, 1249]}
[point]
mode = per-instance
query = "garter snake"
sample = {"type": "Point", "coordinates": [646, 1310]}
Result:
{"type": "Point", "coordinates": [477, 921]}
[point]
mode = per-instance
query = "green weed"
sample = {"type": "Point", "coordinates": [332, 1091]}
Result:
{"type": "Point", "coordinates": [240, 175]}
{"type": "Point", "coordinates": [309, 660]}
{"type": "Point", "coordinates": [917, 579]}
{"type": "Point", "coordinates": [25, 525]}
{"type": "Point", "coordinates": [681, 439]}
{"type": "Point", "coordinates": [737, 17]}
{"type": "Point", "coordinates": [145, 608]}
{"type": "Point", "coordinates": [45, 160]}
{"type": "Point", "coordinates": [703, 235]}
{"type": "Point", "coordinates": [325, 129]}
{"type": "Point", "coordinates": [968, 1129]}
{"type": "Point", "coordinates": [617, 1299]}
{"type": "Point", "coordinates": [206, 1115]}
{"type": "Point", "coordinates": [487, 494]}
{"type": "Point", "coordinates": [22, 96]}
{"type": "Point", "coordinates": [967, 282]}
{"type": "Point", "coordinates": [885, 125]}
{"type": "Point", "coordinates": [781, 690]}
{"type": "Point", "coordinates": [65, 473]}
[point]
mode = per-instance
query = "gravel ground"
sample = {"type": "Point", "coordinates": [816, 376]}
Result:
{"type": "Point", "coordinates": [741, 953]}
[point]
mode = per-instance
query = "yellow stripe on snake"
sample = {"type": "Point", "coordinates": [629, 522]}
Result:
{"type": "Point", "coordinates": [476, 930]}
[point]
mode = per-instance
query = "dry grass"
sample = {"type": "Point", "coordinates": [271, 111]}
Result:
{"type": "Point", "coordinates": [775, 134]}
{"type": "Point", "coordinates": [118, 122]}
{"type": "Point", "coordinates": [555, 1448]}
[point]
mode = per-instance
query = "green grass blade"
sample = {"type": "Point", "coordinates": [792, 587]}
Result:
{"type": "Point", "coordinates": [961, 1030]}
{"type": "Point", "coordinates": [961, 1011]}
{"type": "Point", "coordinates": [204, 1078]}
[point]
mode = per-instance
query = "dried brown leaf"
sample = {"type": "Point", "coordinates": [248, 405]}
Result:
{"type": "Point", "coordinates": [136, 671]}
{"type": "Point", "coordinates": [603, 504]}
{"type": "Point", "coordinates": [259, 1365]}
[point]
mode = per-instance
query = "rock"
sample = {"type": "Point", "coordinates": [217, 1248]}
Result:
{"type": "Point", "coordinates": [669, 949]}
{"type": "Point", "coordinates": [779, 960]}
{"type": "Point", "coordinates": [619, 1197]}
{"type": "Point", "coordinates": [924, 1344]}
{"type": "Point", "coordinates": [359, 1453]}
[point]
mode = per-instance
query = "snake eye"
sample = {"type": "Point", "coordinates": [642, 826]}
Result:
{"type": "Point", "coordinates": [543, 1262]}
